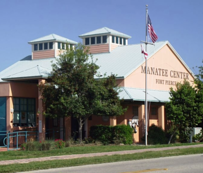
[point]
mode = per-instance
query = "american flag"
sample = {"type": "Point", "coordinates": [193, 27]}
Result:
{"type": "Point", "coordinates": [144, 52]}
{"type": "Point", "coordinates": [151, 31]}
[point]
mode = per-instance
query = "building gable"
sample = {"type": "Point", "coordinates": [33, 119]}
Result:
{"type": "Point", "coordinates": [165, 69]}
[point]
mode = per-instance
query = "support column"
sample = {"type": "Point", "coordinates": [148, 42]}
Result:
{"type": "Point", "coordinates": [41, 123]}
{"type": "Point", "coordinates": [9, 117]}
{"type": "Point", "coordinates": [113, 121]}
{"type": "Point", "coordinates": [161, 117]}
{"type": "Point", "coordinates": [141, 116]}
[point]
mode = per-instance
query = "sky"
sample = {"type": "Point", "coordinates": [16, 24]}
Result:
{"type": "Point", "coordinates": [178, 21]}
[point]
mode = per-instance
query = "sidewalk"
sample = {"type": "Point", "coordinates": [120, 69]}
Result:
{"type": "Point", "coordinates": [74, 156]}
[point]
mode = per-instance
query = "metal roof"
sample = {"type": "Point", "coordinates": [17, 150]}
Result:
{"type": "Point", "coordinates": [28, 68]}
{"type": "Point", "coordinates": [105, 30]}
{"type": "Point", "coordinates": [136, 94]}
{"type": "Point", "coordinates": [122, 61]}
{"type": "Point", "coordinates": [52, 37]}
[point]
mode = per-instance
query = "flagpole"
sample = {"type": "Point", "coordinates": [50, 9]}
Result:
{"type": "Point", "coordinates": [146, 40]}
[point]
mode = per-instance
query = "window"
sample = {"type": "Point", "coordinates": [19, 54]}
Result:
{"type": "Point", "coordinates": [113, 39]}
{"type": "Point", "coordinates": [71, 46]}
{"type": "Point", "coordinates": [154, 111]}
{"type": "Point", "coordinates": [117, 40]}
{"type": "Point", "coordinates": [99, 40]}
{"type": "Point", "coordinates": [59, 45]}
{"type": "Point", "coordinates": [87, 41]}
{"type": "Point", "coordinates": [135, 112]}
{"type": "Point", "coordinates": [63, 45]}
{"type": "Point", "coordinates": [50, 45]}
{"type": "Point", "coordinates": [92, 40]}
{"type": "Point", "coordinates": [124, 41]}
{"type": "Point", "coordinates": [35, 47]}
{"type": "Point", "coordinates": [104, 39]}
{"type": "Point", "coordinates": [40, 46]}
{"type": "Point", "coordinates": [24, 112]}
{"type": "Point", "coordinates": [45, 46]}
{"type": "Point", "coordinates": [120, 40]}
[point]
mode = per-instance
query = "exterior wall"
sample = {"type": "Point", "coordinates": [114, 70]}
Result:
{"type": "Point", "coordinates": [17, 89]}
{"type": "Point", "coordinates": [120, 82]}
{"type": "Point", "coordinates": [113, 46]}
{"type": "Point", "coordinates": [58, 52]}
{"type": "Point", "coordinates": [44, 54]}
{"type": "Point", "coordinates": [23, 90]}
{"type": "Point", "coordinates": [5, 89]}
{"type": "Point", "coordinates": [166, 65]}
{"type": "Point", "coordinates": [100, 48]}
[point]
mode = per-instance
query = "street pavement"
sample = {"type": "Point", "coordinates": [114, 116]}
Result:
{"type": "Point", "coordinates": [175, 164]}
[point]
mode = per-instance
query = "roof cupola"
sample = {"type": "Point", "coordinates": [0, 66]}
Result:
{"type": "Point", "coordinates": [104, 40]}
{"type": "Point", "coordinates": [49, 46]}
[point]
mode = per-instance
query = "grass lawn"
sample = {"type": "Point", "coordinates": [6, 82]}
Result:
{"type": "Point", "coordinates": [96, 160]}
{"type": "Point", "coordinates": [10, 155]}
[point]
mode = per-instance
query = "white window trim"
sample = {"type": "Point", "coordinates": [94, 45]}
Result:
{"type": "Point", "coordinates": [48, 48]}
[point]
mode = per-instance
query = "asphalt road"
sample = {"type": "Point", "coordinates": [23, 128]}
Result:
{"type": "Point", "coordinates": [177, 164]}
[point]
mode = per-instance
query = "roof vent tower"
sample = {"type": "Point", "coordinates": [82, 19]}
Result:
{"type": "Point", "coordinates": [49, 46]}
{"type": "Point", "coordinates": [104, 40]}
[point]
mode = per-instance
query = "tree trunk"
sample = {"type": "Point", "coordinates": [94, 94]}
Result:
{"type": "Point", "coordinates": [80, 129]}
{"type": "Point", "coordinates": [171, 136]}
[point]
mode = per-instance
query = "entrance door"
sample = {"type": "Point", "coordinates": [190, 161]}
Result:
{"type": "Point", "coordinates": [2, 119]}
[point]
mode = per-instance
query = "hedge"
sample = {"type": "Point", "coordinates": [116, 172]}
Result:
{"type": "Point", "coordinates": [112, 134]}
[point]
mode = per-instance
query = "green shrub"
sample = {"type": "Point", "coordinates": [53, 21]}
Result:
{"type": "Point", "coordinates": [123, 134]}
{"type": "Point", "coordinates": [36, 146]}
{"type": "Point", "coordinates": [59, 143]}
{"type": "Point", "coordinates": [102, 133]}
{"type": "Point", "coordinates": [23, 147]}
{"type": "Point", "coordinates": [156, 135]}
{"type": "Point", "coordinates": [112, 134]}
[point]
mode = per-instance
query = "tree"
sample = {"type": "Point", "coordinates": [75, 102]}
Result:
{"type": "Point", "coordinates": [74, 91]}
{"type": "Point", "coordinates": [199, 90]}
{"type": "Point", "coordinates": [184, 109]}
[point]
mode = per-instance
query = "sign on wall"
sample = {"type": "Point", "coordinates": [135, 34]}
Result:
{"type": "Point", "coordinates": [165, 73]}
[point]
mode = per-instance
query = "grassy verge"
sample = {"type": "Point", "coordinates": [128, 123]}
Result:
{"type": "Point", "coordinates": [10, 155]}
{"type": "Point", "coordinates": [96, 160]}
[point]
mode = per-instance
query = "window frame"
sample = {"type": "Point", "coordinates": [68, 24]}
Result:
{"type": "Point", "coordinates": [93, 40]}
{"type": "Point", "coordinates": [52, 45]}
{"type": "Point", "coordinates": [24, 108]}
{"type": "Point", "coordinates": [113, 39]}
{"type": "Point", "coordinates": [87, 41]}
{"type": "Point", "coordinates": [59, 45]}
{"type": "Point", "coordinates": [46, 46]}
{"type": "Point", "coordinates": [41, 48]}
{"type": "Point", "coordinates": [117, 40]}
{"type": "Point", "coordinates": [104, 36]}
{"type": "Point", "coordinates": [121, 41]}
{"type": "Point", "coordinates": [124, 41]}
{"type": "Point", "coordinates": [36, 47]}
{"type": "Point", "coordinates": [63, 46]}
{"type": "Point", "coordinates": [99, 39]}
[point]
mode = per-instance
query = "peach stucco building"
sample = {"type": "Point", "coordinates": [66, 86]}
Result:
{"type": "Point", "coordinates": [20, 100]}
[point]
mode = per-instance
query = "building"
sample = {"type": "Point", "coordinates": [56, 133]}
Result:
{"type": "Point", "coordinates": [21, 106]}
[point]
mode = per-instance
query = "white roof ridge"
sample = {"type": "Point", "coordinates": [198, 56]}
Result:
{"type": "Point", "coordinates": [38, 68]}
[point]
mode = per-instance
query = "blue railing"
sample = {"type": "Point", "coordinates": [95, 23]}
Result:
{"type": "Point", "coordinates": [15, 138]}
